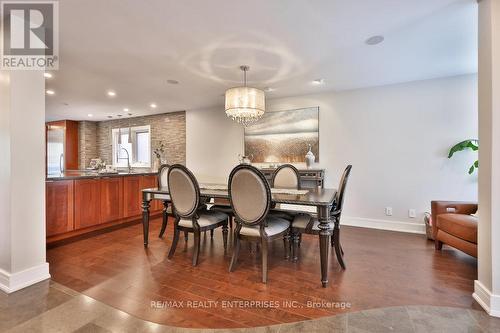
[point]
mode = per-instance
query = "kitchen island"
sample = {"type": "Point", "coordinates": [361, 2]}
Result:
{"type": "Point", "coordinates": [83, 203]}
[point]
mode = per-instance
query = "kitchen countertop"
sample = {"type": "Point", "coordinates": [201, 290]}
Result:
{"type": "Point", "coordinates": [89, 174]}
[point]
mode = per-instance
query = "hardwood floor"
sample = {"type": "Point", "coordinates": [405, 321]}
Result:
{"type": "Point", "coordinates": [383, 269]}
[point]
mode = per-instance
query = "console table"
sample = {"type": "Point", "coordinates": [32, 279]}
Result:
{"type": "Point", "coordinates": [309, 178]}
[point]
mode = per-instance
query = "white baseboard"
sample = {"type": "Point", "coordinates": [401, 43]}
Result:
{"type": "Point", "coordinates": [10, 282]}
{"type": "Point", "coordinates": [488, 301]}
{"type": "Point", "coordinates": [414, 228]}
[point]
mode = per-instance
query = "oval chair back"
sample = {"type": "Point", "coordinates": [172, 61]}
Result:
{"type": "Point", "coordinates": [184, 191]}
{"type": "Point", "coordinates": [339, 198]}
{"type": "Point", "coordinates": [249, 194]}
{"type": "Point", "coordinates": [286, 176]}
{"type": "Point", "coordinates": [163, 175]}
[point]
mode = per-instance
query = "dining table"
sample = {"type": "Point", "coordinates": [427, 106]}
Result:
{"type": "Point", "coordinates": [321, 198]}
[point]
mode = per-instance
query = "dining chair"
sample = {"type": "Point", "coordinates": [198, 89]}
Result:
{"type": "Point", "coordinates": [309, 224]}
{"type": "Point", "coordinates": [185, 195]}
{"type": "Point", "coordinates": [167, 210]}
{"type": "Point", "coordinates": [225, 207]}
{"type": "Point", "coordinates": [285, 176]}
{"type": "Point", "coordinates": [250, 198]}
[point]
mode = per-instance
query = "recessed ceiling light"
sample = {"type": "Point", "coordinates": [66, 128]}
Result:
{"type": "Point", "coordinates": [374, 40]}
{"type": "Point", "coordinates": [173, 81]}
{"type": "Point", "coordinates": [90, 115]}
{"type": "Point", "coordinates": [47, 75]}
{"type": "Point", "coordinates": [111, 93]}
{"type": "Point", "coordinates": [110, 117]}
{"type": "Point", "coordinates": [269, 89]}
{"type": "Point", "coordinates": [125, 109]}
{"type": "Point", "coordinates": [50, 92]}
{"type": "Point", "coordinates": [318, 81]}
{"type": "Point", "coordinates": [153, 105]}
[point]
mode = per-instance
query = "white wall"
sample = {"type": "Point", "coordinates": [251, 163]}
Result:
{"type": "Point", "coordinates": [22, 177]}
{"type": "Point", "coordinates": [213, 143]}
{"type": "Point", "coordinates": [396, 137]}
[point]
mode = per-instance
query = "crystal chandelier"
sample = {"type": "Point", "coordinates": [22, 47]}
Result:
{"type": "Point", "coordinates": [245, 105]}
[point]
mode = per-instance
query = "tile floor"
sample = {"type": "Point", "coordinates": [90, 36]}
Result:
{"type": "Point", "coordinates": [51, 307]}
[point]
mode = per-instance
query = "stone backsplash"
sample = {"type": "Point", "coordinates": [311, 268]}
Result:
{"type": "Point", "coordinates": [170, 128]}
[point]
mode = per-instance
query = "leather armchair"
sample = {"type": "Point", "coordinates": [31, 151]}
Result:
{"type": "Point", "coordinates": [453, 224]}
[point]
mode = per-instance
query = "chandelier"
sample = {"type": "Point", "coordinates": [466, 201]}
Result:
{"type": "Point", "coordinates": [245, 105]}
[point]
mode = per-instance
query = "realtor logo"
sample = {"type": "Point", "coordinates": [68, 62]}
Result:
{"type": "Point", "coordinates": [30, 38]}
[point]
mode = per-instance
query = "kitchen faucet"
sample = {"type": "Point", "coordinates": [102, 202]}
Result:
{"type": "Point", "coordinates": [128, 160]}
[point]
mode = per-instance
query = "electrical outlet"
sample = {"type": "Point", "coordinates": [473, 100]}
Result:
{"type": "Point", "coordinates": [412, 213]}
{"type": "Point", "coordinates": [388, 211]}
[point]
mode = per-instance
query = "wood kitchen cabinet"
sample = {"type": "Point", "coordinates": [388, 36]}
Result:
{"type": "Point", "coordinates": [132, 196]}
{"type": "Point", "coordinates": [76, 207]}
{"type": "Point", "coordinates": [111, 189]}
{"type": "Point", "coordinates": [87, 202]}
{"type": "Point", "coordinates": [61, 145]}
{"type": "Point", "coordinates": [59, 207]}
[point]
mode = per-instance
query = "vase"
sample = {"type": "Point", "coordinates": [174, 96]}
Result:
{"type": "Point", "coordinates": [310, 158]}
{"type": "Point", "coordinates": [156, 164]}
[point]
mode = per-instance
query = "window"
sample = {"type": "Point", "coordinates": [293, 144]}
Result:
{"type": "Point", "coordinates": [138, 150]}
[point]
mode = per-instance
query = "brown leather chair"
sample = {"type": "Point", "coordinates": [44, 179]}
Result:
{"type": "Point", "coordinates": [453, 224]}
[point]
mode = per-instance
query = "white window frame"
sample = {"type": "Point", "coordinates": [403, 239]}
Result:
{"type": "Point", "coordinates": [122, 163]}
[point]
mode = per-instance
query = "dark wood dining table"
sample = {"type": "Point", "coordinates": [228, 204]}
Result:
{"type": "Point", "coordinates": [321, 198]}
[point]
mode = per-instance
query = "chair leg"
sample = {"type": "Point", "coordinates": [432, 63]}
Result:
{"type": "Point", "coordinates": [332, 241]}
{"type": "Point", "coordinates": [286, 243]}
{"type": "Point", "coordinates": [165, 220]}
{"type": "Point", "coordinates": [264, 261]}
{"type": "Point", "coordinates": [224, 236]}
{"type": "Point", "coordinates": [236, 252]}
{"type": "Point", "coordinates": [295, 249]}
{"type": "Point", "coordinates": [186, 236]}
{"type": "Point", "coordinates": [196, 252]}
{"type": "Point", "coordinates": [300, 239]}
{"type": "Point", "coordinates": [438, 245]}
{"type": "Point", "coordinates": [336, 236]}
{"type": "Point", "coordinates": [174, 243]}
{"type": "Point", "coordinates": [230, 219]}
{"type": "Point", "coordinates": [212, 234]}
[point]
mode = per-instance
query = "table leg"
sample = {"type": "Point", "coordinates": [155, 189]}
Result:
{"type": "Point", "coordinates": [324, 241]}
{"type": "Point", "coordinates": [145, 219]}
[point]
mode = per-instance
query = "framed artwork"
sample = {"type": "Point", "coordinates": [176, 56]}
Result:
{"type": "Point", "coordinates": [283, 136]}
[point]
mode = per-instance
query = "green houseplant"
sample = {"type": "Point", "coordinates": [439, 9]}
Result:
{"type": "Point", "coordinates": [472, 144]}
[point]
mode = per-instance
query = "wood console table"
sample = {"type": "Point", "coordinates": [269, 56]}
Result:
{"type": "Point", "coordinates": [309, 178]}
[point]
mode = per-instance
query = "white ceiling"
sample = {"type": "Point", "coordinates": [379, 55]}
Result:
{"type": "Point", "coordinates": [135, 46]}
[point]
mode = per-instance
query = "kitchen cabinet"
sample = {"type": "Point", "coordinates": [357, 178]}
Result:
{"type": "Point", "coordinates": [132, 196]}
{"type": "Point", "coordinates": [59, 207]}
{"type": "Point", "coordinates": [61, 146]}
{"type": "Point", "coordinates": [77, 204]}
{"type": "Point", "coordinates": [87, 202]}
{"type": "Point", "coordinates": [111, 193]}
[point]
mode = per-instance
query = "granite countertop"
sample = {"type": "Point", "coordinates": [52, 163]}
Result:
{"type": "Point", "coordinates": [89, 174]}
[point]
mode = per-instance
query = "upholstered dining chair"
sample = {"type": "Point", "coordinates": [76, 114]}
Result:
{"type": "Point", "coordinates": [250, 198]}
{"type": "Point", "coordinates": [286, 176]}
{"type": "Point", "coordinates": [167, 210]}
{"type": "Point", "coordinates": [185, 195]}
{"type": "Point", "coordinates": [309, 224]}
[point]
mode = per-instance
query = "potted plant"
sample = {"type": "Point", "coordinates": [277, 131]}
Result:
{"type": "Point", "coordinates": [472, 144]}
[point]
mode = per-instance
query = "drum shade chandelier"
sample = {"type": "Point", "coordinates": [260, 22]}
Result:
{"type": "Point", "coordinates": [245, 105]}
